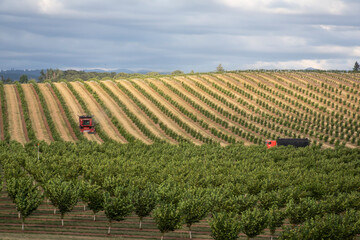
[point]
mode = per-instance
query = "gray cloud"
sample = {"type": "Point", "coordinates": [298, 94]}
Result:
{"type": "Point", "coordinates": [164, 35]}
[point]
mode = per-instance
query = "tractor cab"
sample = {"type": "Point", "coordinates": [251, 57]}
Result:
{"type": "Point", "coordinates": [270, 143]}
{"type": "Point", "coordinates": [86, 124]}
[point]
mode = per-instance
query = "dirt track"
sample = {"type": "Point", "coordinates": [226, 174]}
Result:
{"type": "Point", "coordinates": [16, 129]}
{"type": "Point", "coordinates": [74, 107]}
{"type": "Point", "coordinates": [155, 129]}
{"type": "Point", "coordinates": [119, 114]}
{"type": "Point", "coordinates": [100, 116]}
{"type": "Point", "coordinates": [165, 119]}
{"type": "Point", "coordinates": [35, 114]}
{"type": "Point", "coordinates": [55, 113]}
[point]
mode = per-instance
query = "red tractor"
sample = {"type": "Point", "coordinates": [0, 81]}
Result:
{"type": "Point", "coordinates": [86, 124]}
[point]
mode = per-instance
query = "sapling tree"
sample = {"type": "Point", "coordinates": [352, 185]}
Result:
{"type": "Point", "coordinates": [167, 217]}
{"type": "Point", "coordinates": [93, 196]}
{"type": "Point", "coordinates": [253, 221]}
{"type": "Point", "coordinates": [306, 208]}
{"type": "Point", "coordinates": [225, 226]}
{"type": "Point", "coordinates": [276, 219]}
{"type": "Point", "coordinates": [119, 206]}
{"type": "Point", "coordinates": [28, 199]}
{"type": "Point", "coordinates": [194, 206]}
{"type": "Point", "coordinates": [63, 194]}
{"type": "Point", "coordinates": [144, 201]}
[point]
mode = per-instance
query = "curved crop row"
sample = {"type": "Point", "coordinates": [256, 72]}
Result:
{"type": "Point", "coordinates": [131, 115]}
{"type": "Point", "coordinates": [30, 131]}
{"type": "Point", "coordinates": [5, 117]}
{"type": "Point", "coordinates": [54, 133]}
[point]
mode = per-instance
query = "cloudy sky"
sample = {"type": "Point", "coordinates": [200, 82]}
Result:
{"type": "Point", "coordinates": [165, 35]}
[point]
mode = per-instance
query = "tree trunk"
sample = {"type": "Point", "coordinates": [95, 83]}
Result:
{"type": "Point", "coordinates": [22, 224]}
{"type": "Point", "coordinates": [109, 227]}
{"type": "Point", "coordinates": [162, 236]}
{"type": "Point", "coordinates": [190, 231]}
{"type": "Point", "coordinates": [62, 220]}
{"type": "Point", "coordinates": [19, 214]}
{"type": "Point", "coordinates": [140, 223]}
{"type": "Point", "coordinates": [94, 217]}
{"type": "Point", "coordinates": [84, 207]}
{"type": "Point", "coordinates": [55, 211]}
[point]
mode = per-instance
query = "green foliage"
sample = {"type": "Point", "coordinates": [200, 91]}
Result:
{"type": "Point", "coordinates": [167, 217]}
{"type": "Point", "coordinates": [276, 219]}
{"type": "Point", "coordinates": [330, 226]}
{"type": "Point", "coordinates": [63, 195]}
{"type": "Point", "coordinates": [93, 195]}
{"type": "Point", "coordinates": [177, 72]}
{"type": "Point", "coordinates": [23, 78]}
{"type": "Point", "coordinates": [225, 226]}
{"type": "Point", "coordinates": [356, 67]}
{"type": "Point", "coordinates": [253, 221]}
{"type": "Point", "coordinates": [298, 212]}
{"type": "Point", "coordinates": [220, 68]}
{"type": "Point", "coordinates": [144, 200]}
{"type": "Point", "coordinates": [119, 206]}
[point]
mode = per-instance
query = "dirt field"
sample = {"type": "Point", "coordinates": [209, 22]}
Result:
{"type": "Point", "coordinates": [35, 114]}
{"type": "Point", "coordinates": [99, 114]}
{"type": "Point", "coordinates": [165, 119]}
{"type": "Point", "coordinates": [155, 129]}
{"type": "Point", "coordinates": [57, 117]}
{"type": "Point", "coordinates": [74, 107]}
{"type": "Point", "coordinates": [16, 128]}
{"type": "Point", "coordinates": [119, 114]}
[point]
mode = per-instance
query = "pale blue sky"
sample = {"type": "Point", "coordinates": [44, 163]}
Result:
{"type": "Point", "coordinates": [165, 35]}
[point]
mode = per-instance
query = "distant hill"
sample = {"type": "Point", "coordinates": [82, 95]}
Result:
{"type": "Point", "coordinates": [14, 75]}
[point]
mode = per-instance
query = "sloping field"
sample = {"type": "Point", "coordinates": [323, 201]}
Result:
{"type": "Point", "coordinates": [248, 107]}
{"type": "Point", "coordinates": [37, 117]}
{"type": "Point", "coordinates": [17, 126]}
{"type": "Point", "coordinates": [61, 123]}
{"type": "Point", "coordinates": [74, 107]}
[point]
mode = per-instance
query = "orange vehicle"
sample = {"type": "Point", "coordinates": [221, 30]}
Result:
{"type": "Point", "coordinates": [296, 142]}
{"type": "Point", "coordinates": [86, 124]}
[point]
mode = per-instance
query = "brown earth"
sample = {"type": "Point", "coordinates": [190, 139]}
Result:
{"type": "Point", "coordinates": [35, 115]}
{"type": "Point", "coordinates": [119, 114]}
{"type": "Point", "coordinates": [191, 109]}
{"type": "Point", "coordinates": [15, 115]}
{"type": "Point", "coordinates": [99, 114]}
{"type": "Point", "coordinates": [154, 128]}
{"type": "Point", "coordinates": [56, 114]}
{"type": "Point", "coordinates": [162, 117]}
{"type": "Point", "coordinates": [74, 108]}
{"type": "Point", "coordinates": [177, 112]}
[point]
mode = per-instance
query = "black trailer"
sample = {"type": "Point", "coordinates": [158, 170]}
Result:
{"type": "Point", "coordinates": [296, 142]}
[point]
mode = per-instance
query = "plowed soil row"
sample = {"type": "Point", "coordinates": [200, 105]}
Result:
{"type": "Point", "coordinates": [17, 128]}
{"type": "Point", "coordinates": [36, 115]}
{"type": "Point", "coordinates": [74, 108]}
{"type": "Point", "coordinates": [58, 116]}
{"type": "Point", "coordinates": [162, 117]}
{"type": "Point", "coordinates": [119, 114]}
{"type": "Point", "coordinates": [154, 128]}
{"type": "Point", "coordinates": [191, 109]}
{"type": "Point", "coordinates": [177, 112]}
{"type": "Point", "coordinates": [99, 114]}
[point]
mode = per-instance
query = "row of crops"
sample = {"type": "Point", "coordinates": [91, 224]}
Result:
{"type": "Point", "coordinates": [306, 193]}
{"type": "Point", "coordinates": [225, 108]}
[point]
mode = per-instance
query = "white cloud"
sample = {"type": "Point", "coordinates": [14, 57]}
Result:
{"type": "Point", "coordinates": [289, 6]}
{"type": "Point", "coordinates": [322, 64]}
{"type": "Point", "coordinates": [50, 6]}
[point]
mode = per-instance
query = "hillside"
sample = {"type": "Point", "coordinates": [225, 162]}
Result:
{"type": "Point", "coordinates": [247, 107]}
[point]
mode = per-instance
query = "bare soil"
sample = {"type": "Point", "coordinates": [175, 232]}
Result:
{"type": "Point", "coordinates": [57, 116]}
{"type": "Point", "coordinates": [176, 112]}
{"type": "Point", "coordinates": [119, 114]}
{"type": "Point", "coordinates": [162, 117]}
{"type": "Point", "coordinates": [74, 107]}
{"type": "Point", "coordinates": [154, 128]}
{"type": "Point", "coordinates": [15, 115]}
{"type": "Point", "coordinates": [99, 114]}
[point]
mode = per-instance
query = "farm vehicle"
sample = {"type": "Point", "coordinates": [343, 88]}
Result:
{"type": "Point", "coordinates": [296, 142]}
